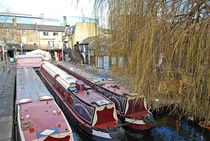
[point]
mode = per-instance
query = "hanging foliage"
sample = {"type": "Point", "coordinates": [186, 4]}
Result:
{"type": "Point", "coordinates": [163, 47]}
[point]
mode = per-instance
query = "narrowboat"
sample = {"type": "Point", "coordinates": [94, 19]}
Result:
{"type": "Point", "coordinates": [92, 113]}
{"type": "Point", "coordinates": [38, 116]}
{"type": "Point", "coordinates": [131, 107]}
{"type": "Point", "coordinates": [205, 125]}
{"type": "Point", "coordinates": [29, 61]}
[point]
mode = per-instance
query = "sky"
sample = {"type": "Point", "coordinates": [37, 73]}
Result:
{"type": "Point", "coordinates": [50, 8]}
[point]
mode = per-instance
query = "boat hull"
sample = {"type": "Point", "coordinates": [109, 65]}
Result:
{"type": "Point", "coordinates": [83, 127]}
{"type": "Point", "coordinates": [120, 102]}
{"type": "Point", "coordinates": [201, 124]}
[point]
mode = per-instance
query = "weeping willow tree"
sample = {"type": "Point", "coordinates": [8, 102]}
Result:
{"type": "Point", "coordinates": [162, 47]}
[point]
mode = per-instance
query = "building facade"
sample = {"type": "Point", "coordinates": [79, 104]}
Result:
{"type": "Point", "coordinates": [20, 33]}
{"type": "Point", "coordinates": [21, 38]}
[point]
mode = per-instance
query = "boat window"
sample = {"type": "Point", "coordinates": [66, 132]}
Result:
{"type": "Point", "coordinates": [87, 87]}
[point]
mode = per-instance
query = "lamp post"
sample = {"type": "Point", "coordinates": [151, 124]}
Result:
{"type": "Point", "coordinates": [3, 52]}
{"type": "Point", "coordinates": [62, 54]}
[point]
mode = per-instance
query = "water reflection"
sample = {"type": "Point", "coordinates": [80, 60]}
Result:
{"type": "Point", "coordinates": [168, 129]}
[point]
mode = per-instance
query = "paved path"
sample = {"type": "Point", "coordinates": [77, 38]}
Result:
{"type": "Point", "coordinates": [7, 84]}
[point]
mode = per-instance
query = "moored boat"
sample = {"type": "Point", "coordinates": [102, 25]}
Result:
{"type": "Point", "coordinates": [205, 125]}
{"type": "Point", "coordinates": [91, 112]}
{"type": "Point", "coordinates": [131, 107]}
{"type": "Point", "coordinates": [39, 117]}
{"type": "Point", "coordinates": [29, 61]}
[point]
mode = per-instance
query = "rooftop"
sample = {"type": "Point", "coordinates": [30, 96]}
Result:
{"type": "Point", "coordinates": [34, 27]}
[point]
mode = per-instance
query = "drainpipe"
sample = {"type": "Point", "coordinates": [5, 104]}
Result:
{"type": "Point", "coordinates": [3, 52]}
{"type": "Point", "coordinates": [21, 48]}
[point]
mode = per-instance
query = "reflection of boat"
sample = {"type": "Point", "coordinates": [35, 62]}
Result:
{"type": "Point", "coordinates": [39, 117]}
{"type": "Point", "coordinates": [135, 135]}
{"type": "Point", "coordinates": [203, 125]}
{"type": "Point", "coordinates": [131, 107]}
{"type": "Point", "coordinates": [92, 113]}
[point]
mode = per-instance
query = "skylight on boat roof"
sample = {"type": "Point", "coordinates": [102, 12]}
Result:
{"type": "Point", "coordinates": [24, 100]}
{"type": "Point", "coordinates": [102, 102]}
{"type": "Point", "coordinates": [45, 97]}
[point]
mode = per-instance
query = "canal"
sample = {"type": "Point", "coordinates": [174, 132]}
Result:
{"type": "Point", "coordinates": [166, 129]}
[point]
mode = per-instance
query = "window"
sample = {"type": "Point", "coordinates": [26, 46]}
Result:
{"type": "Point", "coordinates": [102, 49]}
{"type": "Point", "coordinates": [45, 33]}
{"type": "Point", "coordinates": [23, 32]}
{"type": "Point", "coordinates": [91, 52]}
{"type": "Point", "coordinates": [6, 30]}
{"type": "Point", "coordinates": [55, 33]}
{"type": "Point", "coordinates": [114, 60]}
{"type": "Point", "coordinates": [34, 31]}
{"type": "Point", "coordinates": [121, 62]}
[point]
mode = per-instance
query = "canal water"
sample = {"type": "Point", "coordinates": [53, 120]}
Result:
{"type": "Point", "coordinates": [166, 129]}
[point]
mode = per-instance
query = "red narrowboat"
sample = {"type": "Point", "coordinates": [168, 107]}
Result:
{"type": "Point", "coordinates": [38, 116]}
{"type": "Point", "coordinates": [91, 112]}
{"type": "Point", "coordinates": [131, 107]}
{"type": "Point", "coordinates": [205, 125]}
{"type": "Point", "coordinates": [29, 61]}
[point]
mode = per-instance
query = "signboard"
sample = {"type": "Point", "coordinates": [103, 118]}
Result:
{"type": "Point", "coordinates": [50, 44]}
{"type": "Point", "coordinates": [23, 40]}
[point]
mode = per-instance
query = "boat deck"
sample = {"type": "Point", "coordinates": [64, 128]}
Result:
{"type": "Point", "coordinates": [7, 85]}
{"type": "Point", "coordinates": [38, 114]}
{"type": "Point", "coordinates": [43, 117]}
{"type": "Point", "coordinates": [92, 97]}
{"type": "Point", "coordinates": [104, 82]}
{"type": "Point", "coordinates": [29, 87]}
{"type": "Point", "coordinates": [91, 76]}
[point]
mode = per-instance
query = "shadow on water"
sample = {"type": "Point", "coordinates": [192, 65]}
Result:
{"type": "Point", "coordinates": [167, 129]}
{"type": "Point", "coordinates": [170, 129]}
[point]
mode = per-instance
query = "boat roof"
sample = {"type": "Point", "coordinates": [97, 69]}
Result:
{"type": "Point", "coordinates": [118, 89]}
{"type": "Point", "coordinates": [92, 98]}
{"type": "Point", "coordinates": [41, 119]}
{"type": "Point", "coordinates": [38, 114]}
{"type": "Point", "coordinates": [93, 77]}
{"type": "Point", "coordinates": [88, 95]}
{"type": "Point", "coordinates": [28, 56]}
{"type": "Point", "coordinates": [69, 83]}
{"type": "Point", "coordinates": [106, 83]}
{"type": "Point", "coordinates": [64, 75]}
{"type": "Point", "coordinates": [28, 61]}
{"type": "Point", "coordinates": [29, 87]}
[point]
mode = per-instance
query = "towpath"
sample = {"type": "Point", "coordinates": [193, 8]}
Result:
{"type": "Point", "coordinates": [7, 87]}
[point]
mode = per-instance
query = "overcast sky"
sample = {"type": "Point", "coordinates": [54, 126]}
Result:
{"type": "Point", "coordinates": [50, 8]}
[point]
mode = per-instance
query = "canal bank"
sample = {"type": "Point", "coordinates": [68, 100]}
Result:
{"type": "Point", "coordinates": [7, 83]}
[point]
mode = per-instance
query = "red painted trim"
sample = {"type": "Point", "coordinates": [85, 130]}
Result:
{"type": "Point", "coordinates": [50, 138]}
{"type": "Point", "coordinates": [138, 127]}
{"type": "Point", "coordinates": [201, 124]}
